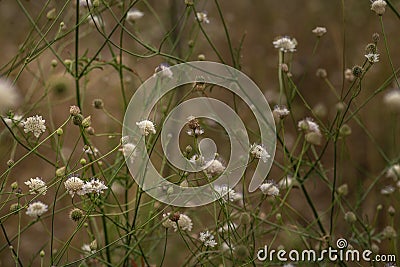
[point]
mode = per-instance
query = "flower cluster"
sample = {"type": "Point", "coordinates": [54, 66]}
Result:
{"type": "Point", "coordinates": [259, 152]}
{"type": "Point", "coordinates": [177, 220]}
{"type": "Point", "coordinates": [35, 124]}
{"type": "Point", "coordinates": [36, 209]}
{"type": "Point", "coordinates": [227, 193]}
{"type": "Point", "coordinates": [269, 188]}
{"type": "Point", "coordinates": [75, 185]}
{"type": "Point", "coordinates": [146, 127]}
{"type": "Point", "coordinates": [285, 44]}
{"type": "Point", "coordinates": [208, 239]}
{"type": "Point", "coordinates": [36, 186]}
{"type": "Point", "coordinates": [311, 129]}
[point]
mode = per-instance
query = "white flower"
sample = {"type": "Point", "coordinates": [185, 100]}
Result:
{"type": "Point", "coordinates": [285, 44]}
{"type": "Point", "coordinates": [215, 167]}
{"type": "Point", "coordinates": [208, 239]}
{"type": "Point", "coordinates": [133, 15]}
{"type": "Point", "coordinates": [8, 95]}
{"type": "Point", "coordinates": [74, 185]}
{"type": "Point", "coordinates": [146, 127]}
{"type": "Point", "coordinates": [372, 57]}
{"type": "Point", "coordinates": [319, 31]}
{"type": "Point", "coordinates": [85, 3]}
{"type": "Point", "coordinates": [308, 125]}
{"type": "Point", "coordinates": [280, 112]}
{"type": "Point", "coordinates": [259, 152]}
{"type": "Point", "coordinates": [394, 172]}
{"type": "Point", "coordinates": [90, 150]}
{"type": "Point", "coordinates": [36, 186]}
{"type": "Point", "coordinates": [392, 100]}
{"type": "Point", "coordinates": [164, 70]}
{"type": "Point", "coordinates": [15, 120]}
{"type": "Point", "coordinates": [348, 75]}
{"type": "Point", "coordinates": [129, 151]}
{"type": "Point", "coordinates": [226, 193]}
{"type": "Point", "coordinates": [35, 124]}
{"type": "Point", "coordinates": [378, 7]}
{"type": "Point", "coordinates": [94, 186]}
{"type": "Point", "coordinates": [269, 188]}
{"type": "Point", "coordinates": [181, 220]}
{"type": "Point", "coordinates": [387, 190]}
{"type": "Point", "coordinates": [196, 132]}
{"type": "Point", "coordinates": [202, 17]}
{"type": "Point", "coordinates": [36, 209]}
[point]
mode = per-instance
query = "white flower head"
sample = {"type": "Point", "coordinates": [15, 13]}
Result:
{"type": "Point", "coordinates": [379, 7]}
{"type": "Point", "coordinates": [372, 58]}
{"type": "Point", "coordinates": [94, 186]}
{"type": "Point", "coordinates": [308, 125]}
{"type": "Point", "coordinates": [90, 150]}
{"type": "Point", "coordinates": [14, 120]}
{"type": "Point", "coordinates": [36, 186]}
{"type": "Point", "coordinates": [202, 17]}
{"type": "Point", "coordinates": [215, 167]}
{"type": "Point", "coordinates": [280, 112]}
{"type": "Point", "coordinates": [36, 209]}
{"type": "Point", "coordinates": [259, 152]}
{"type": "Point", "coordinates": [226, 193]}
{"type": "Point", "coordinates": [208, 239]}
{"type": "Point", "coordinates": [177, 220]}
{"type": "Point", "coordinates": [164, 70]}
{"type": "Point", "coordinates": [8, 95]}
{"type": "Point", "coordinates": [35, 124]}
{"type": "Point", "coordinates": [285, 44]}
{"type": "Point", "coordinates": [129, 151]}
{"type": "Point", "coordinates": [394, 172]}
{"type": "Point", "coordinates": [269, 188]}
{"type": "Point", "coordinates": [146, 127]}
{"type": "Point", "coordinates": [392, 100]}
{"type": "Point", "coordinates": [134, 14]}
{"type": "Point", "coordinates": [74, 185]}
{"type": "Point", "coordinates": [319, 31]}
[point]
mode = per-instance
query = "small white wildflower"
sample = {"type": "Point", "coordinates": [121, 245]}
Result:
{"type": "Point", "coordinates": [208, 239]}
{"type": "Point", "coordinates": [215, 167]}
{"type": "Point", "coordinates": [87, 249]}
{"type": "Point", "coordinates": [36, 209]}
{"type": "Point", "coordinates": [308, 125]}
{"type": "Point", "coordinates": [285, 44]}
{"type": "Point", "coordinates": [372, 57]}
{"type": "Point", "coordinates": [280, 112]}
{"type": "Point", "coordinates": [269, 188]}
{"type": "Point", "coordinates": [394, 172]}
{"type": "Point", "coordinates": [226, 193]}
{"type": "Point", "coordinates": [392, 100]}
{"type": "Point", "coordinates": [129, 151]}
{"type": "Point", "coordinates": [379, 7]}
{"type": "Point", "coordinates": [8, 95]}
{"type": "Point", "coordinates": [175, 220]}
{"type": "Point", "coordinates": [85, 3]}
{"type": "Point", "coordinates": [35, 124]}
{"type": "Point", "coordinates": [133, 15]}
{"type": "Point", "coordinates": [195, 132]}
{"type": "Point", "coordinates": [259, 152]}
{"type": "Point", "coordinates": [94, 186]}
{"type": "Point", "coordinates": [14, 120]}
{"type": "Point", "coordinates": [164, 70]}
{"type": "Point", "coordinates": [146, 127]}
{"type": "Point", "coordinates": [319, 31]}
{"type": "Point", "coordinates": [90, 150]}
{"type": "Point", "coordinates": [348, 75]}
{"type": "Point", "coordinates": [387, 190]}
{"type": "Point", "coordinates": [74, 185]}
{"type": "Point", "coordinates": [202, 17]}
{"type": "Point", "coordinates": [36, 186]}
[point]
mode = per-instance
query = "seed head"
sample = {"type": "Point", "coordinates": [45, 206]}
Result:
{"type": "Point", "coordinates": [357, 71]}
{"type": "Point", "coordinates": [75, 215]}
